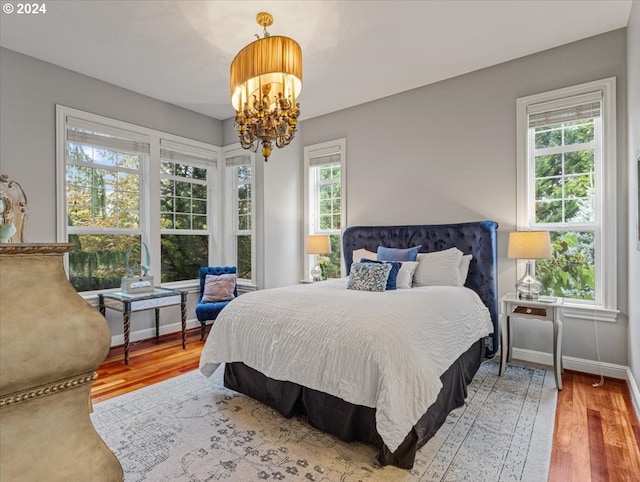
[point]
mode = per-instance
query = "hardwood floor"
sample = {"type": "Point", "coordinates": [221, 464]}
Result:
{"type": "Point", "coordinates": [150, 361]}
{"type": "Point", "coordinates": [597, 434]}
{"type": "Point", "coordinates": [596, 437]}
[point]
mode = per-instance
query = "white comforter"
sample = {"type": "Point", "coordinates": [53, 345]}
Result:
{"type": "Point", "coordinates": [382, 350]}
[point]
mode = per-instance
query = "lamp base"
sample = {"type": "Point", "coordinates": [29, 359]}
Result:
{"type": "Point", "coordinates": [528, 296]}
{"type": "Point", "coordinates": [316, 273]}
{"type": "Point", "coordinates": [528, 287]}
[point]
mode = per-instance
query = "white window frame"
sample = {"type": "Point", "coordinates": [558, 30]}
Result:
{"type": "Point", "coordinates": [336, 150]}
{"type": "Point", "coordinates": [605, 304]}
{"type": "Point", "coordinates": [231, 209]}
{"type": "Point", "coordinates": [150, 187]}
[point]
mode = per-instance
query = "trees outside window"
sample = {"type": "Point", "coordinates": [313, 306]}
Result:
{"type": "Point", "coordinates": [120, 186]}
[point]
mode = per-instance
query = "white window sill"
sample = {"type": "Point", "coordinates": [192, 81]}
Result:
{"type": "Point", "coordinates": [588, 313]}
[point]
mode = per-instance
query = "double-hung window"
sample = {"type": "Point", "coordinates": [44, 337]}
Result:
{"type": "Point", "coordinates": [240, 238]}
{"type": "Point", "coordinates": [325, 200]}
{"type": "Point", "coordinates": [104, 190]}
{"type": "Point", "coordinates": [125, 191]}
{"type": "Point", "coordinates": [185, 173]}
{"type": "Point", "coordinates": [566, 178]}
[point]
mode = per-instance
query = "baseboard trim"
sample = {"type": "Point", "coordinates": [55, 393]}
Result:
{"type": "Point", "coordinates": [118, 340]}
{"type": "Point", "coordinates": [635, 393]}
{"type": "Point", "coordinates": [577, 364]}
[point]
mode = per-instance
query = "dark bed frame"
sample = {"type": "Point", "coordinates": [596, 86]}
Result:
{"type": "Point", "coordinates": [355, 422]}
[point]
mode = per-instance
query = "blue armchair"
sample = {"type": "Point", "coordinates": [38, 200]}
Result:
{"type": "Point", "coordinates": [208, 311]}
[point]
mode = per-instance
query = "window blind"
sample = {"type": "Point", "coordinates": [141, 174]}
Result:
{"type": "Point", "coordinates": [177, 152]}
{"type": "Point", "coordinates": [329, 155]}
{"type": "Point", "coordinates": [238, 161]}
{"type": "Point", "coordinates": [96, 135]}
{"type": "Point", "coordinates": [581, 107]}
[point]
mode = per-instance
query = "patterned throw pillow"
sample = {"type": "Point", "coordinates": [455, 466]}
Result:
{"type": "Point", "coordinates": [393, 274]}
{"type": "Point", "coordinates": [368, 276]}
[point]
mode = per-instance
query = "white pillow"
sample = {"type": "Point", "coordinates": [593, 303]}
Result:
{"type": "Point", "coordinates": [440, 268]}
{"type": "Point", "coordinates": [405, 274]}
{"type": "Point", "coordinates": [464, 268]}
{"type": "Point", "coordinates": [358, 254]}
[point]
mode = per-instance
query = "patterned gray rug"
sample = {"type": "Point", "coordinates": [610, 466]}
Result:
{"type": "Point", "coordinates": [191, 428]}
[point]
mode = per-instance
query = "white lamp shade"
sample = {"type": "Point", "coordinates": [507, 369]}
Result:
{"type": "Point", "coordinates": [529, 245]}
{"type": "Point", "coordinates": [318, 244]}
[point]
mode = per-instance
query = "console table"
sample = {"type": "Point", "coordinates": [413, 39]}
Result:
{"type": "Point", "coordinates": [548, 309]}
{"type": "Point", "coordinates": [128, 303]}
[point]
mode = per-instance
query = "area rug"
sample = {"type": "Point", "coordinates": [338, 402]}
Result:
{"type": "Point", "coordinates": [191, 428]}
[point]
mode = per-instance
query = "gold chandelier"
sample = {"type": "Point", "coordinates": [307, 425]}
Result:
{"type": "Point", "coordinates": [266, 80]}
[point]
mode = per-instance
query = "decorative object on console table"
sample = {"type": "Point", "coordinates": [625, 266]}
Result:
{"type": "Point", "coordinates": [132, 283]}
{"type": "Point", "coordinates": [529, 245]}
{"type": "Point", "coordinates": [544, 308]}
{"type": "Point", "coordinates": [318, 244]}
{"type": "Point", "coordinates": [51, 342]}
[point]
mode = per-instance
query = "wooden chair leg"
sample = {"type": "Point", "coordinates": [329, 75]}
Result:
{"type": "Point", "coordinates": [202, 323]}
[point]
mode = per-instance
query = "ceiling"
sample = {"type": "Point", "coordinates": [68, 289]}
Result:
{"type": "Point", "coordinates": [354, 51]}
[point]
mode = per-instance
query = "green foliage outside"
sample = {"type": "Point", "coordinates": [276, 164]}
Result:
{"type": "Point", "coordinates": [330, 263]}
{"type": "Point", "coordinates": [564, 194]}
{"type": "Point", "coordinates": [244, 256]}
{"type": "Point", "coordinates": [182, 256]}
{"type": "Point", "coordinates": [570, 273]}
{"type": "Point", "coordinates": [330, 214]}
{"type": "Point", "coordinates": [98, 261]}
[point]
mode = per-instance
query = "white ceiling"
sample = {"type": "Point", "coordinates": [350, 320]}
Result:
{"type": "Point", "coordinates": [354, 51]}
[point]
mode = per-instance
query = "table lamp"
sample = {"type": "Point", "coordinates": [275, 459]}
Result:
{"type": "Point", "coordinates": [318, 244]}
{"type": "Point", "coordinates": [529, 245]}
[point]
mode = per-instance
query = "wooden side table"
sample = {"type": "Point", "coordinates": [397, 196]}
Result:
{"type": "Point", "coordinates": [549, 309]}
{"type": "Point", "coordinates": [156, 299]}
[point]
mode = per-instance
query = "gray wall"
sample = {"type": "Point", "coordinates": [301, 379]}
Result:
{"type": "Point", "coordinates": [633, 79]}
{"type": "Point", "coordinates": [447, 153]}
{"type": "Point", "coordinates": [29, 92]}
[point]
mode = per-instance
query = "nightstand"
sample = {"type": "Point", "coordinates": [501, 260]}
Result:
{"type": "Point", "coordinates": [545, 308]}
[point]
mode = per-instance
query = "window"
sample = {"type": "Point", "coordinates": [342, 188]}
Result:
{"type": "Point", "coordinates": [566, 171]}
{"type": "Point", "coordinates": [184, 208]}
{"type": "Point", "coordinates": [325, 200]}
{"type": "Point", "coordinates": [240, 212]}
{"type": "Point", "coordinates": [122, 188]}
{"type": "Point", "coordinates": [103, 169]}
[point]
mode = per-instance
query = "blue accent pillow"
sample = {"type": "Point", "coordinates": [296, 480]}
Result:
{"type": "Point", "coordinates": [368, 276]}
{"type": "Point", "coordinates": [393, 274]}
{"type": "Point", "coordinates": [396, 254]}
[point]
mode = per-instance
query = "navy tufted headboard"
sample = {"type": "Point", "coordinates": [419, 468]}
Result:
{"type": "Point", "coordinates": [475, 238]}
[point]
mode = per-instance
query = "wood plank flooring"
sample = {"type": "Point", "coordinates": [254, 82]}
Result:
{"type": "Point", "coordinates": [596, 437]}
{"type": "Point", "coordinates": [597, 434]}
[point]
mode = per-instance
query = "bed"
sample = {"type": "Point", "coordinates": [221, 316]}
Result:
{"type": "Point", "coordinates": [315, 350]}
